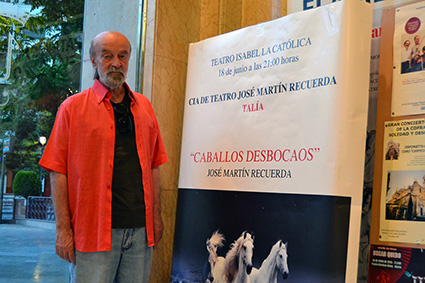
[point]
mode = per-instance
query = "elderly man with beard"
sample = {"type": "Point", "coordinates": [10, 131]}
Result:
{"type": "Point", "coordinates": [103, 156]}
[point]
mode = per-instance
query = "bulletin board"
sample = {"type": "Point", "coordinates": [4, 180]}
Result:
{"type": "Point", "coordinates": [397, 235]}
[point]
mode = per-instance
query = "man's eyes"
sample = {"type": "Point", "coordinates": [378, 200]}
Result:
{"type": "Point", "coordinates": [108, 57]}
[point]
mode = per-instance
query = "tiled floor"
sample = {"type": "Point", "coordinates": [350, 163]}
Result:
{"type": "Point", "coordinates": [27, 254]}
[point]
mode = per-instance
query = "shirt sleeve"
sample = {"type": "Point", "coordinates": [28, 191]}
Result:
{"type": "Point", "coordinates": [55, 155]}
{"type": "Point", "coordinates": [160, 155]}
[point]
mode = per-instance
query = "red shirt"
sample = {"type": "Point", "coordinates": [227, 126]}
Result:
{"type": "Point", "coordinates": [81, 146]}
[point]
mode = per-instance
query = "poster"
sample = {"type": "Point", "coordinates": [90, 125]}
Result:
{"type": "Point", "coordinates": [378, 6]}
{"type": "Point", "coordinates": [409, 61]}
{"type": "Point", "coordinates": [403, 182]}
{"type": "Point", "coordinates": [394, 264]}
{"type": "Point", "coordinates": [272, 114]}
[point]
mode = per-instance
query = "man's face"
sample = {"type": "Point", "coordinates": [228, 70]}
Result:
{"type": "Point", "coordinates": [111, 60]}
{"type": "Point", "coordinates": [417, 40]}
{"type": "Point", "coordinates": [407, 44]}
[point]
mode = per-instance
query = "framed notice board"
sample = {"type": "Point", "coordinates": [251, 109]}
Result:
{"type": "Point", "coordinates": [397, 235]}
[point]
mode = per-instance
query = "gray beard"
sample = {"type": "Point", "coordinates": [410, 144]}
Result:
{"type": "Point", "coordinates": [112, 82]}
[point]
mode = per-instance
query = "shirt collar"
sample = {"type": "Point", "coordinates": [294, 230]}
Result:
{"type": "Point", "coordinates": [102, 92]}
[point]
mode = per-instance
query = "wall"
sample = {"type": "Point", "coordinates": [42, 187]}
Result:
{"type": "Point", "coordinates": [171, 26]}
{"type": "Point", "coordinates": [112, 15]}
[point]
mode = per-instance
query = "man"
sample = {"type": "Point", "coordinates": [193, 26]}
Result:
{"type": "Point", "coordinates": [103, 156]}
{"type": "Point", "coordinates": [416, 58]}
{"type": "Point", "coordinates": [405, 57]}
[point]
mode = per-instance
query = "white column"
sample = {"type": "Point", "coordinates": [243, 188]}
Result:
{"type": "Point", "coordinates": [121, 16]}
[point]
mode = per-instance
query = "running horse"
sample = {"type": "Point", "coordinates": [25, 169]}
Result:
{"type": "Point", "coordinates": [276, 261]}
{"type": "Point", "coordinates": [237, 265]}
{"type": "Point", "coordinates": [216, 241]}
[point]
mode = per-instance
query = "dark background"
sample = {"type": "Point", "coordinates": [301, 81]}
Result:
{"type": "Point", "coordinates": [315, 227]}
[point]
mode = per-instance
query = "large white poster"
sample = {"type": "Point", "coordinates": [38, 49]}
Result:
{"type": "Point", "coordinates": [273, 146]}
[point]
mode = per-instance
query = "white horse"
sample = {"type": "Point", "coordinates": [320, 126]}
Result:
{"type": "Point", "coordinates": [238, 262]}
{"type": "Point", "coordinates": [276, 261]}
{"type": "Point", "coordinates": [216, 241]}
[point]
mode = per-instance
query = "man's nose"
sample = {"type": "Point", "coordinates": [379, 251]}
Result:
{"type": "Point", "coordinates": [116, 62]}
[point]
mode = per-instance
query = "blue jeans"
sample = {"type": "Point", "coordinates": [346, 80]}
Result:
{"type": "Point", "coordinates": [129, 260]}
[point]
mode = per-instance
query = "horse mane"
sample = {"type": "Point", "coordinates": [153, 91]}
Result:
{"type": "Point", "coordinates": [217, 241]}
{"type": "Point", "coordinates": [231, 264]}
{"type": "Point", "coordinates": [272, 255]}
{"type": "Point", "coordinates": [270, 261]}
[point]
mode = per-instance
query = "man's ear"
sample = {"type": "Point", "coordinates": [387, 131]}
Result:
{"type": "Point", "coordinates": [93, 61]}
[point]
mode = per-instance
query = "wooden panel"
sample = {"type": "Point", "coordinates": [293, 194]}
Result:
{"type": "Point", "coordinates": [384, 115]}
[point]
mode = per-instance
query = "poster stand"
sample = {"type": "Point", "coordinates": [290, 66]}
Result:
{"type": "Point", "coordinates": [273, 143]}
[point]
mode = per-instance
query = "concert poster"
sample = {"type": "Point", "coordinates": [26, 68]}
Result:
{"type": "Point", "coordinates": [402, 211]}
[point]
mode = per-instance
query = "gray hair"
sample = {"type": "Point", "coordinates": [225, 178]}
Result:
{"type": "Point", "coordinates": [93, 54]}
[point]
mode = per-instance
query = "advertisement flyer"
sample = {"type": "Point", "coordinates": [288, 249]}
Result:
{"type": "Point", "coordinates": [394, 264]}
{"type": "Point", "coordinates": [409, 61]}
{"type": "Point", "coordinates": [403, 182]}
{"type": "Point", "coordinates": [273, 112]}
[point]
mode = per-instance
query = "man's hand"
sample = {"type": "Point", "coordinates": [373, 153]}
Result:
{"type": "Point", "coordinates": [64, 233]}
{"type": "Point", "coordinates": [65, 244]}
{"type": "Point", "coordinates": [158, 228]}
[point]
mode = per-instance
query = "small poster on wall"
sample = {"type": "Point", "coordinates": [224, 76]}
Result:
{"type": "Point", "coordinates": [409, 61]}
{"type": "Point", "coordinates": [394, 264]}
{"type": "Point", "coordinates": [403, 182]}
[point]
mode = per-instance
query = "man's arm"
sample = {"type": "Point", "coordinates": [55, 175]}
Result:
{"type": "Point", "coordinates": [157, 220]}
{"type": "Point", "coordinates": [64, 233]}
